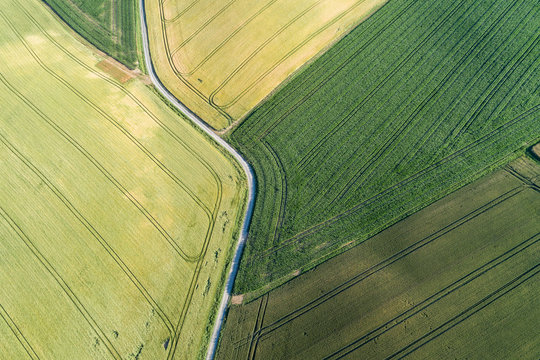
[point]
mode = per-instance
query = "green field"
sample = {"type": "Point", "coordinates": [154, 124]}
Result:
{"type": "Point", "coordinates": [457, 280]}
{"type": "Point", "coordinates": [110, 25]}
{"type": "Point", "coordinates": [420, 99]}
{"type": "Point", "coordinates": [117, 216]}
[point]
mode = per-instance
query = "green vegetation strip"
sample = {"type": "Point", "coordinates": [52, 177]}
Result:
{"type": "Point", "coordinates": [110, 25]}
{"type": "Point", "coordinates": [417, 101]}
{"type": "Point", "coordinates": [457, 279]}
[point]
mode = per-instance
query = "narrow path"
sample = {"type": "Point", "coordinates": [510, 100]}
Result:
{"type": "Point", "coordinates": [247, 169]}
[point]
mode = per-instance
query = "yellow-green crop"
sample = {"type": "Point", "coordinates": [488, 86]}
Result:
{"type": "Point", "coordinates": [117, 216]}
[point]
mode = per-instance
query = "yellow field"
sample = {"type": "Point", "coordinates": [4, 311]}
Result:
{"type": "Point", "coordinates": [221, 58]}
{"type": "Point", "coordinates": [116, 215]}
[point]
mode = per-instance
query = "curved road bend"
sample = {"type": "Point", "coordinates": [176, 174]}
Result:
{"type": "Point", "coordinates": [247, 169]}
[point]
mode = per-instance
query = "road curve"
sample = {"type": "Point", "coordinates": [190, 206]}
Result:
{"type": "Point", "coordinates": [247, 169]}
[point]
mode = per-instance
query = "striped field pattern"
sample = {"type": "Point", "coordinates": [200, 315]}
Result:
{"type": "Point", "coordinates": [110, 25]}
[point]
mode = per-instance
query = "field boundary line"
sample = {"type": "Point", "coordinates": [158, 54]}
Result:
{"type": "Point", "coordinates": [117, 47]}
{"type": "Point", "coordinates": [309, 154]}
{"type": "Point", "coordinates": [101, 169]}
{"type": "Point", "coordinates": [288, 55]}
{"type": "Point", "coordinates": [254, 53]}
{"type": "Point", "coordinates": [317, 227]}
{"type": "Point", "coordinates": [312, 151]}
{"type": "Point", "coordinates": [281, 210]}
{"type": "Point", "coordinates": [61, 282]}
{"type": "Point", "coordinates": [209, 99]}
{"type": "Point", "coordinates": [280, 61]}
{"type": "Point", "coordinates": [447, 20]}
{"type": "Point", "coordinates": [250, 199]}
{"type": "Point", "coordinates": [18, 333]}
{"type": "Point", "coordinates": [219, 184]}
{"type": "Point", "coordinates": [77, 12]}
{"type": "Point", "coordinates": [165, 39]}
{"type": "Point", "coordinates": [108, 117]}
{"type": "Point", "coordinates": [325, 78]}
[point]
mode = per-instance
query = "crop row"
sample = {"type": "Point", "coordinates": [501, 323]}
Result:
{"type": "Point", "coordinates": [209, 213]}
{"type": "Point", "coordinates": [384, 264]}
{"type": "Point", "coordinates": [354, 280]}
{"type": "Point", "coordinates": [172, 49]}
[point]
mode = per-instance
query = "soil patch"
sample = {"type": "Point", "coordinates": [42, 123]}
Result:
{"type": "Point", "coordinates": [116, 70]}
{"type": "Point", "coordinates": [237, 299]}
{"type": "Point", "coordinates": [536, 150]}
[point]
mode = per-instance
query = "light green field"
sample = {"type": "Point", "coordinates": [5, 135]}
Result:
{"type": "Point", "coordinates": [222, 58]}
{"type": "Point", "coordinates": [117, 217]}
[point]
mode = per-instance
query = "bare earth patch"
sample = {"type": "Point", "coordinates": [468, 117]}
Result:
{"type": "Point", "coordinates": [117, 70]}
{"type": "Point", "coordinates": [237, 299]}
{"type": "Point", "coordinates": [536, 150]}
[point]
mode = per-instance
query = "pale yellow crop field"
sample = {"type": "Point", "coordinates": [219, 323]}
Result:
{"type": "Point", "coordinates": [223, 57]}
{"type": "Point", "coordinates": [117, 216]}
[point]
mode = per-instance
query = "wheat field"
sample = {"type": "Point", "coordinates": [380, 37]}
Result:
{"type": "Point", "coordinates": [117, 216]}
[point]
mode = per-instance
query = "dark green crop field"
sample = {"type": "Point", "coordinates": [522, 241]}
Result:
{"type": "Point", "coordinates": [110, 25]}
{"type": "Point", "coordinates": [419, 100]}
{"type": "Point", "coordinates": [457, 280]}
